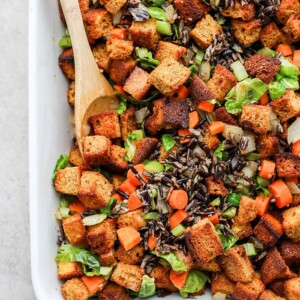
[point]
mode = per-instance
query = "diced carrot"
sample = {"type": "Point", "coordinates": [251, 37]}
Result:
{"type": "Point", "coordinates": [296, 148]}
{"type": "Point", "coordinates": [93, 283]}
{"type": "Point", "coordinates": [118, 197]}
{"type": "Point", "coordinates": [264, 99]}
{"type": "Point", "coordinates": [206, 106]}
{"type": "Point", "coordinates": [281, 193]}
{"type": "Point", "coordinates": [128, 237]}
{"type": "Point", "coordinates": [214, 218]}
{"type": "Point", "coordinates": [152, 240]}
{"type": "Point", "coordinates": [296, 58]}
{"type": "Point", "coordinates": [178, 199]}
{"type": "Point", "coordinates": [177, 218]}
{"type": "Point", "coordinates": [134, 202]}
{"type": "Point", "coordinates": [77, 207]}
{"type": "Point", "coordinates": [127, 187]}
{"type": "Point", "coordinates": [182, 93]}
{"type": "Point", "coordinates": [267, 169]}
{"type": "Point", "coordinates": [178, 279]}
{"type": "Point", "coordinates": [184, 132]}
{"type": "Point", "coordinates": [262, 204]}
{"type": "Point", "coordinates": [119, 89]}
{"type": "Point", "coordinates": [292, 179]}
{"type": "Point", "coordinates": [216, 127]}
{"type": "Point", "coordinates": [284, 49]}
{"type": "Point", "coordinates": [132, 177]}
{"type": "Point", "coordinates": [194, 119]}
{"type": "Point", "coordinates": [119, 33]}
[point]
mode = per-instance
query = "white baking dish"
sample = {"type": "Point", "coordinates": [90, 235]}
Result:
{"type": "Point", "coordinates": [50, 135]}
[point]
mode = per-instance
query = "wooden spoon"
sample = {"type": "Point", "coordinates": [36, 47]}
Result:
{"type": "Point", "coordinates": [93, 93]}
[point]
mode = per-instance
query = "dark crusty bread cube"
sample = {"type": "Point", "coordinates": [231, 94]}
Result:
{"type": "Point", "coordinates": [277, 287]}
{"type": "Point", "coordinates": [221, 284]}
{"type": "Point", "coordinates": [291, 223]}
{"type": "Point", "coordinates": [270, 35]}
{"type": "Point", "coordinates": [292, 289]}
{"type": "Point", "coordinates": [216, 186]}
{"type": "Point", "coordinates": [250, 290]}
{"type": "Point", "coordinates": [66, 63]}
{"type": "Point", "coordinates": [143, 149]}
{"type": "Point", "coordinates": [287, 164]}
{"type": "Point", "coordinates": [101, 56]}
{"type": "Point", "coordinates": [238, 11]}
{"type": "Point", "coordinates": [225, 117]}
{"type": "Point", "coordinates": [269, 295]}
{"type": "Point", "coordinates": [74, 229]}
{"type": "Point", "coordinates": [113, 6]}
{"type": "Point", "coordinates": [132, 257]}
{"type": "Point", "coordinates": [166, 49]}
{"type": "Point", "coordinates": [120, 69]}
{"type": "Point", "coordinates": [75, 157]}
{"type": "Point", "coordinates": [113, 291]}
{"type": "Point", "coordinates": [74, 289]}
{"type": "Point", "coordinates": [128, 122]}
{"type": "Point", "coordinates": [246, 32]}
{"type": "Point", "coordinates": [290, 252]}
{"type": "Point", "coordinates": [67, 180]}
{"type": "Point", "coordinates": [132, 219]}
{"type": "Point", "coordinates": [162, 279]}
{"type": "Point", "coordinates": [203, 242]}
{"type": "Point", "coordinates": [199, 90]}
{"type": "Point", "coordinates": [267, 145]}
{"type": "Point", "coordinates": [286, 9]}
{"type": "Point", "coordinates": [247, 210]}
{"type": "Point", "coordinates": [71, 93]}
{"type": "Point", "coordinates": [116, 162]}
{"type": "Point", "coordinates": [68, 270]}
{"type": "Point", "coordinates": [119, 49]}
{"type": "Point", "coordinates": [108, 259]}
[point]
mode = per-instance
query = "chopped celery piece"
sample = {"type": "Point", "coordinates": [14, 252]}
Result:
{"type": "Point", "coordinates": [263, 181]}
{"type": "Point", "coordinates": [267, 52]}
{"type": "Point", "coordinates": [253, 156]}
{"type": "Point", "coordinates": [94, 219]}
{"type": "Point", "coordinates": [245, 190]}
{"type": "Point", "coordinates": [234, 199]}
{"type": "Point", "coordinates": [168, 141]}
{"type": "Point", "coordinates": [64, 211]}
{"type": "Point", "coordinates": [199, 57]}
{"type": "Point", "coordinates": [250, 249]}
{"type": "Point", "coordinates": [142, 52]}
{"type": "Point", "coordinates": [178, 230]}
{"type": "Point", "coordinates": [65, 42]}
{"type": "Point", "coordinates": [193, 69]}
{"type": "Point", "coordinates": [154, 167]}
{"type": "Point", "coordinates": [230, 212]}
{"type": "Point", "coordinates": [239, 70]}
{"type": "Point", "coordinates": [151, 216]}
{"type": "Point", "coordinates": [157, 13]}
{"type": "Point", "coordinates": [164, 27]}
{"type": "Point", "coordinates": [215, 202]}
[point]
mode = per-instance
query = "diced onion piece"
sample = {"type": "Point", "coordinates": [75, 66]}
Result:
{"type": "Point", "coordinates": [250, 249]}
{"type": "Point", "coordinates": [250, 169]}
{"type": "Point", "coordinates": [233, 133]}
{"type": "Point", "coordinates": [204, 70]}
{"type": "Point", "coordinates": [251, 145]}
{"type": "Point", "coordinates": [239, 70]}
{"type": "Point", "coordinates": [94, 219]}
{"type": "Point", "coordinates": [171, 14]}
{"type": "Point", "coordinates": [219, 296]}
{"type": "Point", "coordinates": [141, 114]}
{"type": "Point", "coordinates": [116, 18]}
{"type": "Point", "coordinates": [294, 189]}
{"type": "Point", "coordinates": [293, 134]}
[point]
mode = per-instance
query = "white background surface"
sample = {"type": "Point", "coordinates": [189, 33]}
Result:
{"type": "Point", "coordinates": [15, 277]}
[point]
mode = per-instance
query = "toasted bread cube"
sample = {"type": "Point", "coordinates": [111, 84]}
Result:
{"type": "Point", "coordinates": [169, 76]}
{"type": "Point", "coordinates": [270, 35]}
{"type": "Point", "coordinates": [291, 223]}
{"type": "Point", "coordinates": [116, 162]}
{"type": "Point", "coordinates": [255, 118]}
{"type": "Point", "coordinates": [191, 10]}
{"type": "Point", "coordinates": [212, 141]}
{"type": "Point", "coordinates": [269, 295]}
{"type": "Point", "coordinates": [221, 82]}
{"type": "Point", "coordinates": [117, 179]}
{"type": "Point", "coordinates": [113, 291]}
{"type": "Point", "coordinates": [236, 264]}
{"type": "Point", "coordinates": [216, 186]}
{"type": "Point", "coordinates": [246, 32]}
{"type": "Point", "coordinates": [128, 122]}
{"type": "Point", "coordinates": [211, 266]}
{"type": "Point", "coordinates": [225, 117]}
{"type": "Point", "coordinates": [66, 63]}
{"type": "Point", "coordinates": [119, 49]}
{"type": "Point", "coordinates": [106, 124]}
{"type": "Point", "coordinates": [166, 49]}
{"type": "Point", "coordinates": [74, 289]}
{"type": "Point", "coordinates": [132, 219]}
{"type": "Point", "coordinates": [68, 270]}
{"type": "Point", "coordinates": [290, 252]}
{"type": "Point", "coordinates": [287, 164]}
{"type": "Point", "coordinates": [98, 23]}
{"type": "Point", "coordinates": [143, 149]}
{"type": "Point", "coordinates": [241, 230]}
{"type": "Point", "coordinates": [199, 90]}
{"type": "Point", "coordinates": [286, 9]}
{"type": "Point", "coordinates": [267, 145]}
{"type": "Point", "coordinates": [108, 259]}
{"type": "Point", "coordinates": [101, 56]}
{"type": "Point", "coordinates": [292, 289]}
{"type": "Point", "coordinates": [113, 6]}
{"type": "Point", "coordinates": [292, 28]}
{"type": "Point", "coordinates": [250, 290]}
{"type": "Point", "coordinates": [221, 284]}
{"type": "Point", "coordinates": [247, 210]}
{"type": "Point", "coordinates": [95, 190]}
{"type": "Point", "coordinates": [128, 276]}
{"type": "Point", "coordinates": [162, 279]}
{"type": "Point", "coordinates": [137, 84]}
{"type": "Point", "coordinates": [203, 242]}
{"type": "Point", "coordinates": [132, 257]}
{"type": "Point", "coordinates": [238, 11]}
{"type": "Point", "coordinates": [296, 200]}
{"type": "Point", "coordinates": [75, 157]}
{"type": "Point", "coordinates": [120, 69]}
{"type": "Point", "coordinates": [96, 150]}
{"type": "Point", "coordinates": [277, 287]}
{"type": "Point", "coordinates": [102, 237]}
{"type": "Point", "coordinates": [74, 229]}
{"type": "Point", "coordinates": [262, 67]}
{"type": "Point", "coordinates": [67, 180]}
{"type": "Point", "coordinates": [205, 31]}
{"type": "Point", "coordinates": [268, 230]}
{"type": "Point", "coordinates": [144, 34]}
{"type": "Point", "coordinates": [71, 93]}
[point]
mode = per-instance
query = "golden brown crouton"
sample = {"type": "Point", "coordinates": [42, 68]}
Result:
{"type": "Point", "coordinates": [205, 31]}
{"type": "Point", "coordinates": [166, 49]}
{"type": "Point", "coordinates": [241, 230]}
{"type": "Point", "coordinates": [74, 229]}
{"type": "Point", "coordinates": [292, 289]}
{"type": "Point", "coordinates": [269, 295]}
{"type": "Point", "coordinates": [74, 289]}
{"type": "Point", "coordinates": [249, 291]}
{"type": "Point", "coordinates": [137, 84]}
{"type": "Point", "coordinates": [102, 237]}
{"type": "Point", "coordinates": [287, 164]}
{"type": "Point", "coordinates": [101, 56]}
{"type": "Point", "coordinates": [128, 122]}
{"type": "Point", "coordinates": [203, 242]}
{"type": "Point", "coordinates": [68, 270]}
{"type": "Point", "coordinates": [132, 257]}
{"type": "Point", "coordinates": [143, 149]}
{"type": "Point", "coordinates": [119, 49]}
{"type": "Point", "coordinates": [132, 219]}
{"type": "Point", "coordinates": [255, 118]}
{"type": "Point", "coordinates": [191, 10]}
{"type": "Point", "coordinates": [247, 210]}
{"type": "Point", "coordinates": [286, 9]}
{"type": "Point", "coordinates": [98, 23]}
{"type": "Point", "coordinates": [291, 223]}
{"type": "Point", "coordinates": [116, 162]}
{"type": "Point", "coordinates": [296, 200]}
{"type": "Point", "coordinates": [168, 76]}
{"type": "Point", "coordinates": [262, 67]}
{"type": "Point", "coordinates": [113, 291]}
{"type": "Point", "coordinates": [211, 266]}
{"type": "Point", "coordinates": [117, 180]}
{"type": "Point", "coordinates": [120, 69]}
{"type": "Point", "coordinates": [292, 27]}
{"type": "Point", "coordinates": [212, 141]}
{"type": "Point", "coordinates": [144, 34]}
{"type": "Point", "coordinates": [287, 106]}
{"type": "Point", "coordinates": [245, 12]}
{"type": "Point", "coordinates": [270, 35]}
{"type": "Point", "coordinates": [216, 186]}
{"type": "Point", "coordinates": [162, 279]}
{"type": "Point", "coordinates": [225, 117]}
{"type": "Point", "coordinates": [71, 93]}
{"type": "Point", "coordinates": [221, 82]}
{"type": "Point", "coordinates": [267, 145]}
{"type": "Point", "coordinates": [268, 230]}
{"type": "Point", "coordinates": [113, 6]}
{"type": "Point", "coordinates": [66, 63]}
{"type": "Point", "coordinates": [67, 180]}
{"type": "Point", "coordinates": [95, 190]}
{"type": "Point", "coordinates": [236, 264]}
{"type": "Point", "coordinates": [246, 32]}
{"type": "Point", "coordinates": [290, 252]}
{"type": "Point", "coordinates": [108, 259]}
{"type": "Point", "coordinates": [221, 284]}
{"type": "Point", "coordinates": [96, 150]}
{"type": "Point", "coordinates": [199, 90]}
{"type": "Point", "coordinates": [75, 157]}
{"type": "Point", "coordinates": [128, 276]}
